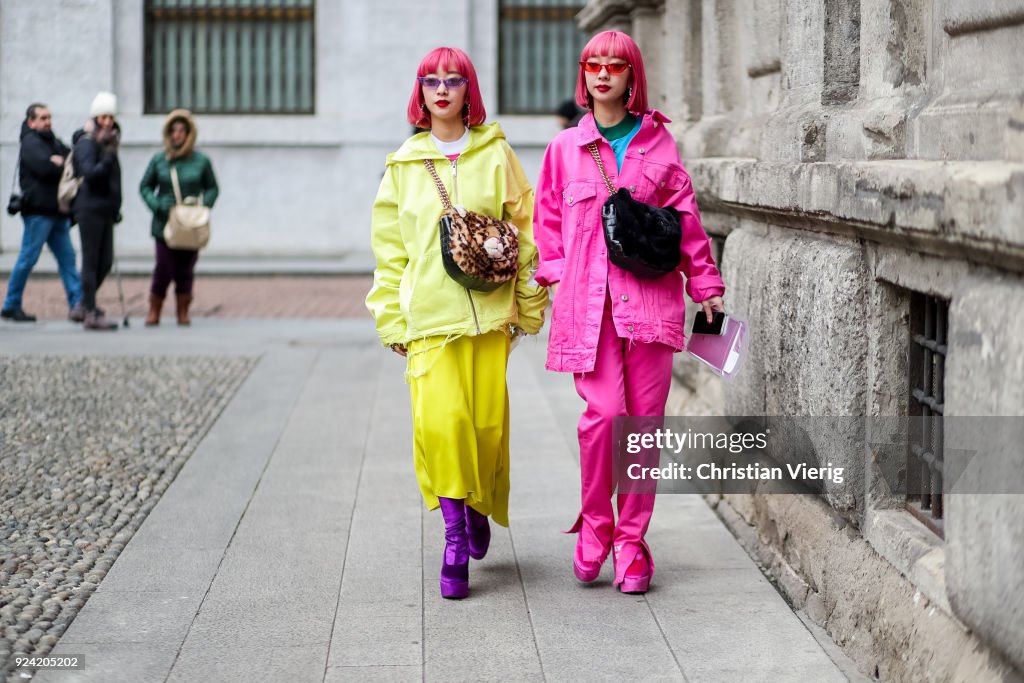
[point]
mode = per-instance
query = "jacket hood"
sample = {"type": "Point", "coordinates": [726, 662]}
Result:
{"type": "Point", "coordinates": [25, 130]}
{"type": "Point", "coordinates": [420, 146]}
{"type": "Point", "coordinates": [185, 150]}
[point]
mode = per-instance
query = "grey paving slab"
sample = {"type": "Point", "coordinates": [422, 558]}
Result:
{"type": "Point", "coordinates": [731, 625]}
{"type": "Point", "coordinates": [372, 674]}
{"type": "Point", "coordinates": [379, 610]}
{"type": "Point", "coordinates": [279, 581]}
{"type": "Point", "coordinates": [197, 515]}
{"type": "Point", "coordinates": [583, 632]}
{"type": "Point", "coordinates": [487, 637]}
{"type": "Point", "coordinates": [112, 663]}
{"type": "Point", "coordinates": [159, 616]}
{"type": "Point", "coordinates": [247, 663]}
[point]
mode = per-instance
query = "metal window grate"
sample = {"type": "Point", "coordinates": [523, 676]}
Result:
{"type": "Point", "coordinates": [539, 50]}
{"type": "Point", "coordinates": [230, 56]}
{"type": "Point", "coordinates": [928, 330]}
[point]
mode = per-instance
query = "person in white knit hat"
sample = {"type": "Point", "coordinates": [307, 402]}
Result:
{"type": "Point", "coordinates": [97, 205]}
{"type": "Point", "coordinates": [104, 104]}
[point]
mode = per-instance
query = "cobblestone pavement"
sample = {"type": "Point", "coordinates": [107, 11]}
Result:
{"type": "Point", "coordinates": [87, 447]}
{"type": "Point", "coordinates": [217, 296]}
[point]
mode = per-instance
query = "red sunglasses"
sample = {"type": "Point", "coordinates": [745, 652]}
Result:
{"type": "Point", "coordinates": [594, 68]}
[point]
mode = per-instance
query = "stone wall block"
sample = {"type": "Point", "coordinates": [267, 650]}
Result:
{"type": "Point", "coordinates": [803, 300]}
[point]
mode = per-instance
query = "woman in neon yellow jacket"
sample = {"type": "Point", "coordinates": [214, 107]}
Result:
{"type": "Point", "coordinates": [456, 341]}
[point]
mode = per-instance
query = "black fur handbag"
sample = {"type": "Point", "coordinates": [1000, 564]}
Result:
{"type": "Point", "coordinates": [641, 238]}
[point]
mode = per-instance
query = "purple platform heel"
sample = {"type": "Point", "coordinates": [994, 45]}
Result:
{"type": "Point", "coordinates": [479, 533]}
{"type": "Point", "coordinates": [455, 567]}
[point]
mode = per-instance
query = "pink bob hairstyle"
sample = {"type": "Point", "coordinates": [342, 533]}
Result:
{"type": "Point", "coordinates": [453, 59]}
{"type": "Point", "coordinates": [615, 44]}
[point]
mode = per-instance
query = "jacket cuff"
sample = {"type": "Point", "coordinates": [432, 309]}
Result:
{"type": "Point", "coordinates": [704, 287]}
{"type": "Point", "coordinates": [549, 272]}
{"type": "Point", "coordinates": [392, 337]}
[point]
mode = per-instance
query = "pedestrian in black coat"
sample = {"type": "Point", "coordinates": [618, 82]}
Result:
{"type": "Point", "coordinates": [97, 206]}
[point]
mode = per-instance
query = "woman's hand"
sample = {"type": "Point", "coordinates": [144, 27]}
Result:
{"type": "Point", "coordinates": [400, 350]}
{"type": "Point", "coordinates": [715, 303]}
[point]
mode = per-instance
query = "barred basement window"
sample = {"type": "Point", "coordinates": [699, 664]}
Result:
{"type": "Point", "coordinates": [539, 53]}
{"type": "Point", "coordinates": [230, 56]}
{"type": "Point", "coordinates": [928, 327]}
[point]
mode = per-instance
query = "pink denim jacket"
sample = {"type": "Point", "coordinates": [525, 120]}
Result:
{"type": "Point", "coordinates": [570, 240]}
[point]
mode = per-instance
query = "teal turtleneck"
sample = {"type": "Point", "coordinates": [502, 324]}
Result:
{"type": "Point", "coordinates": [619, 135]}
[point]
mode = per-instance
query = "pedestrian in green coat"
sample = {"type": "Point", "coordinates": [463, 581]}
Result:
{"type": "Point", "coordinates": [196, 178]}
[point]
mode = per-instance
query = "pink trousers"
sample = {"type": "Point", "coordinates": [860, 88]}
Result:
{"type": "Point", "coordinates": [629, 378]}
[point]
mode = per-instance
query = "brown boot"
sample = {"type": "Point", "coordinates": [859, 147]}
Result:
{"type": "Point", "coordinates": [156, 304]}
{"type": "Point", "coordinates": [183, 303]}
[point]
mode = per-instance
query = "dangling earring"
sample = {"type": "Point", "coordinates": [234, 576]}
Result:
{"type": "Point", "coordinates": [629, 94]}
{"type": "Point", "coordinates": [465, 110]}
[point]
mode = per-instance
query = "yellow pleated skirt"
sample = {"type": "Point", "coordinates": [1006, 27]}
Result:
{"type": "Point", "coordinates": [460, 418]}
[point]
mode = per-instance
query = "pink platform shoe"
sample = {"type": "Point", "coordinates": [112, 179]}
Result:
{"type": "Point", "coordinates": [635, 578]}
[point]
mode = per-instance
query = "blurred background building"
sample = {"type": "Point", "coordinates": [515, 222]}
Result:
{"type": "Point", "coordinates": [297, 101]}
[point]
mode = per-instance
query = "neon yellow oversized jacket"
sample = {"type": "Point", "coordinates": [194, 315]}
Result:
{"type": "Point", "coordinates": [412, 295]}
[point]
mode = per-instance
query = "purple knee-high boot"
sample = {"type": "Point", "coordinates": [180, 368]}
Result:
{"type": "Point", "coordinates": [455, 568]}
{"type": "Point", "coordinates": [479, 530]}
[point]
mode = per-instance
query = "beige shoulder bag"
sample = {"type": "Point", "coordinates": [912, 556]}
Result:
{"type": "Point", "coordinates": [188, 225]}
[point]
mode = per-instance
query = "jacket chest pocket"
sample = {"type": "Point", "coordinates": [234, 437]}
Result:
{"type": "Point", "coordinates": [660, 182]}
{"type": "Point", "coordinates": [581, 203]}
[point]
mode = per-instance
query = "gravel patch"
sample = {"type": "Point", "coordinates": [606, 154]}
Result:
{"type": "Point", "coordinates": [87, 446]}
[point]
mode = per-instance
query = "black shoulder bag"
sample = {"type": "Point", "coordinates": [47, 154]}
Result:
{"type": "Point", "coordinates": [641, 238]}
{"type": "Point", "coordinates": [14, 203]}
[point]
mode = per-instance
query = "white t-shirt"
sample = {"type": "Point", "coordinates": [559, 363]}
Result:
{"type": "Point", "coordinates": [454, 148]}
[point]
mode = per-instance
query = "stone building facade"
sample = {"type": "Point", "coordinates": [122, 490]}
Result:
{"type": "Point", "coordinates": [859, 165]}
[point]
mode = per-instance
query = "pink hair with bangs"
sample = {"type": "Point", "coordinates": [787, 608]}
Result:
{"type": "Point", "coordinates": [452, 59]}
{"type": "Point", "coordinates": [615, 44]}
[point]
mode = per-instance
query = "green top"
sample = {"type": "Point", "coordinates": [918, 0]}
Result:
{"type": "Point", "coordinates": [195, 174]}
{"type": "Point", "coordinates": [619, 130]}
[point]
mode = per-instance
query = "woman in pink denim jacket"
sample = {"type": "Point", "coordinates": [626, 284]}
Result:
{"type": "Point", "coordinates": [614, 331]}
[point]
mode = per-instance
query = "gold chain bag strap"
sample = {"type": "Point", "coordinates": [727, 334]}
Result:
{"type": "Point", "coordinates": [594, 152]}
{"type": "Point", "coordinates": [478, 251]}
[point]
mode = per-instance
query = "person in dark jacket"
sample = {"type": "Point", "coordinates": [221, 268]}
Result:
{"type": "Point", "coordinates": [196, 179]}
{"type": "Point", "coordinates": [97, 205]}
{"type": "Point", "coordinates": [41, 162]}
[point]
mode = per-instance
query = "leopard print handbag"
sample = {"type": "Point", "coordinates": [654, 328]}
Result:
{"type": "Point", "coordinates": [478, 251]}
